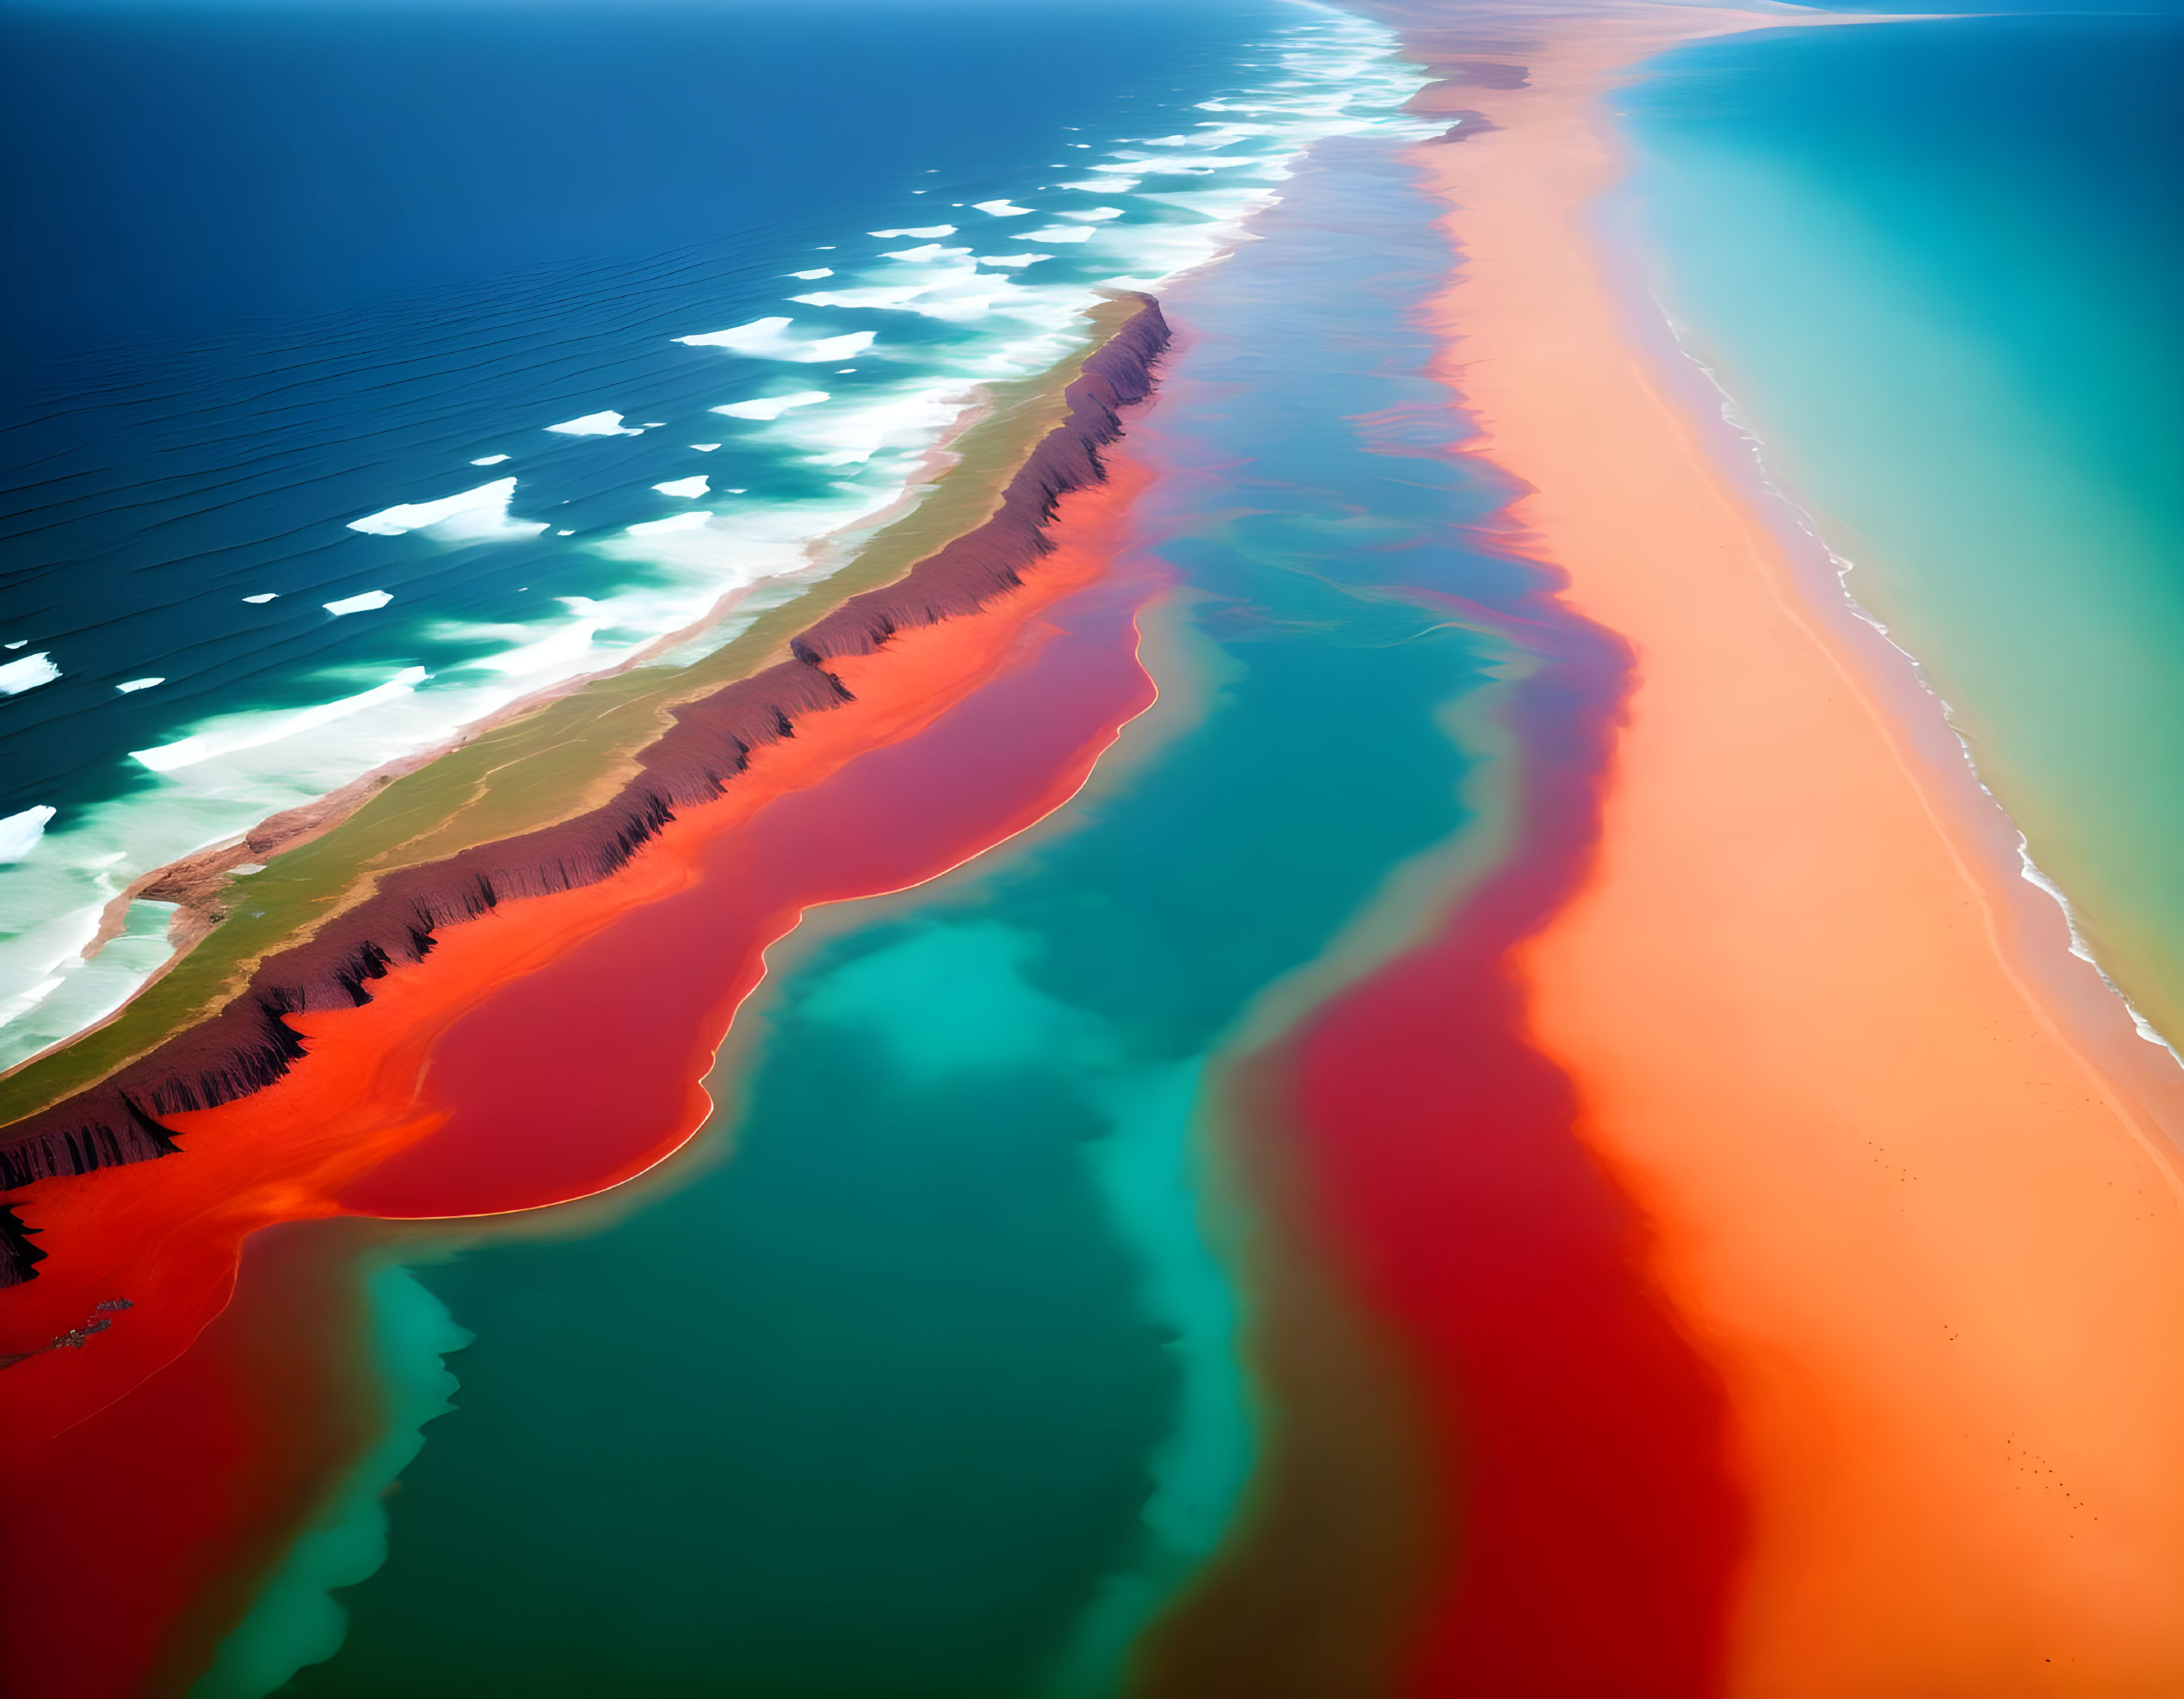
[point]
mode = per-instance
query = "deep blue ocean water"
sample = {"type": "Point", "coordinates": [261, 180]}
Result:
{"type": "Point", "coordinates": [274, 269]}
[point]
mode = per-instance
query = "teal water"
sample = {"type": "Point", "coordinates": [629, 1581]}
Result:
{"type": "Point", "coordinates": [1937, 268]}
{"type": "Point", "coordinates": [932, 1385]}
{"type": "Point", "coordinates": [296, 1620]}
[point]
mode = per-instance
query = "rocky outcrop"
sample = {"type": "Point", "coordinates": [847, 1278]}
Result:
{"type": "Point", "coordinates": [1466, 125]}
{"type": "Point", "coordinates": [249, 1044]}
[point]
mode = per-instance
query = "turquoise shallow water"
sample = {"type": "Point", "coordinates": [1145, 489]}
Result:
{"type": "Point", "coordinates": [411, 1337]}
{"type": "Point", "coordinates": [932, 1386]}
{"type": "Point", "coordinates": [1936, 266]}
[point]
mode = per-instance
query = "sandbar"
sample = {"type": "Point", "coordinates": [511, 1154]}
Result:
{"type": "Point", "coordinates": [1910, 1192]}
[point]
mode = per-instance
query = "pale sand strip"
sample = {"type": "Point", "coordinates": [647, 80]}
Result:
{"type": "Point", "coordinates": [1937, 1254]}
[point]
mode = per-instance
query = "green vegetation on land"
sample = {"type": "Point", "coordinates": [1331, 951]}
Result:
{"type": "Point", "coordinates": [561, 759]}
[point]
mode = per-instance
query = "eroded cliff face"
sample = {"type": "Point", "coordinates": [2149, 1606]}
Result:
{"type": "Point", "coordinates": [248, 1043]}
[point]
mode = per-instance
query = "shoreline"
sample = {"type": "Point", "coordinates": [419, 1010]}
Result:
{"type": "Point", "coordinates": [196, 883]}
{"type": "Point", "coordinates": [1902, 1154]}
{"type": "Point", "coordinates": [249, 1042]}
{"type": "Point", "coordinates": [2033, 909]}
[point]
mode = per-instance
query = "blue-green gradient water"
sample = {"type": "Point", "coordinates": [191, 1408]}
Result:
{"type": "Point", "coordinates": [930, 1386]}
{"type": "Point", "coordinates": [1936, 266]}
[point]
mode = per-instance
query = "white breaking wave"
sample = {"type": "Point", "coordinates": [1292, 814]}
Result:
{"type": "Point", "coordinates": [19, 833]}
{"type": "Point", "coordinates": [369, 602]}
{"type": "Point", "coordinates": [596, 425]}
{"type": "Point", "coordinates": [254, 730]}
{"type": "Point", "coordinates": [679, 522]}
{"type": "Point", "coordinates": [763, 339]}
{"type": "Point", "coordinates": [28, 674]}
{"type": "Point", "coordinates": [471, 516]}
{"type": "Point", "coordinates": [769, 407]}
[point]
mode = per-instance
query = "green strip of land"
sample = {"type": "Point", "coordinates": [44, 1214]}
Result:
{"type": "Point", "coordinates": [564, 759]}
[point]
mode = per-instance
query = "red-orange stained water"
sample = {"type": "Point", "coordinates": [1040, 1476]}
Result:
{"type": "Point", "coordinates": [546, 1053]}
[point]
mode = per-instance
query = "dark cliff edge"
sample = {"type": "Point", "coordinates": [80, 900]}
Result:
{"type": "Point", "coordinates": [1466, 125]}
{"type": "Point", "coordinates": [248, 1044]}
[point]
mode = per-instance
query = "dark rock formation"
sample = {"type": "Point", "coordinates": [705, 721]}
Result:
{"type": "Point", "coordinates": [1467, 125]}
{"type": "Point", "coordinates": [983, 563]}
{"type": "Point", "coordinates": [19, 1257]}
{"type": "Point", "coordinates": [248, 1044]}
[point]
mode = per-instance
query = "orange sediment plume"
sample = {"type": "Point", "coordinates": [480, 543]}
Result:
{"type": "Point", "coordinates": [548, 1051]}
{"type": "Point", "coordinates": [1909, 1185]}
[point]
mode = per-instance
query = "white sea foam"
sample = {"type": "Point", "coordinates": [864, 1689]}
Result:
{"type": "Point", "coordinates": [471, 516]}
{"type": "Point", "coordinates": [136, 685]}
{"type": "Point", "coordinates": [815, 272]}
{"type": "Point", "coordinates": [1002, 208]}
{"type": "Point", "coordinates": [763, 339]}
{"type": "Point", "coordinates": [771, 406]}
{"type": "Point", "coordinates": [705, 447]}
{"type": "Point", "coordinates": [1097, 214]}
{"type": "Point", "coordinates": [262, 597]}
{"type": "Point", "coordinates": [595, 424]}
{"type": "Point", "coordinates": [660, 527]}
{"type": "Point", "coordinates": [28, 674]}
{"type": "Point", "coordinates": [1061, 234]}
{"type": "Point", "coordinates": [552, 650]}
{"type": "Point", "coordinates": [884, 295]}
{"type": "Point", "coordinates": [52, 990]}
{"type": "Point", "coordinates": [689, 489]}
{"type": "Point", "coordinates": [922, 232]}
{"type": "Point", "coordinates": [894, 425]}
{"type": "Point", "coordinates": [1013, 260]}
{"type": "Point", "coordinates": [240, 731]}
{"type": "Point", "coordinates": [717, 554]}
{"type": "Point", "coordinates": [20, 833]}
{"type": "Point", "coordinates": [488, 460]}
{"type": "Point", "coordinates": [370, 601]}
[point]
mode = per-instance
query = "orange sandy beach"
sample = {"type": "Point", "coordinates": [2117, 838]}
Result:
{"type": "Point", "coordinates": [1910, 1184]}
